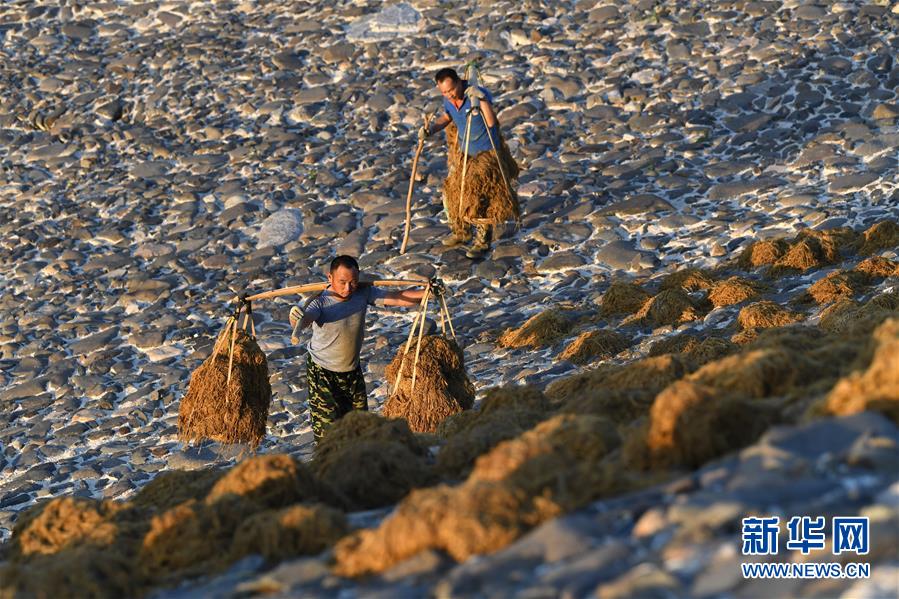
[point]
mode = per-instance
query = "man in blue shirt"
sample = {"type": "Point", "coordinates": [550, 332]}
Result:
{"type": "Point", "coordinates": [337, 318]}
{"type": "Point", "coordinates": [488, 198]}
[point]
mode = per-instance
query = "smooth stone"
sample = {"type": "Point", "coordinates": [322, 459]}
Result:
{"type": "Point", "coordinates": [568, 233]}
{"type": "Point", "coordinates": [727, 191]}
{"type": "Point", "coordinates": [851, 183]}
{"type": "Point", "coordinates": [677, 221]}
{"type": "Point", "coordinates": [312, 95]}
{"type": "Point", "coordinates": [24, 389]}
{"type": "Point", "coordinates": [191, 458]}
{"type": "Point", "coordinates": [147, 339]}
{"type": "Point", "coordinates": [834, 436]}
{"type": "Point", "coordinates": [401, 19]}
{"type": "Point", "coordinates": [644, 580]}
{"type": "Point", "coordinates": [287, 60]}
{"type": "Point", "coordinates": [169, 19]}
{"type": "Point", "coordinates": [880, 64]}
{"type": "Point", "coordinates": [639, 204]}
{"type": "Point", "coordinates": [149, 170]}
{"type": "Point", "coordinates": [338, 52]}
{"type": "Point", "coordinates": [490, 269]}
{"type": "Point", "coordinates": [559, 539]}
{"type": "Point", "coordinates": [49, 152]}
{"type": "Point", "coordinates": [888, 112]}
{"type": "Point", "coordinates": [794, 200]}
{"type": "Point", "coordinates": [604, 13]}
{"type": "Point", "coordinates": [111, 110]}
{"type": "Point", "coordinates": [748, 123]}
{"type": "Point", "coordinates": [622, 255]}
{"type": "Point", "coordinates": [299, 572]}
{"type": "Point", "coordinates": [509, 250]}
{"type": "Point", "coordinates": [77, 31]}
{"type": "Point", "coordinates": [281, 227]}
{"type": "Point", "coordinates": [579, 576]}
{"type": "Point", "coordinates": [153, 250]}
{"type": "Point", "coordinates": [560, 262]}
{"type": "Point", "coordinates": [94, 342]}
{"type": "Point", "coordinates": [810, 155]}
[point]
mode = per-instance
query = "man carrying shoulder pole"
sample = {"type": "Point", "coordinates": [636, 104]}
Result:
{"type": "Point", "coordinates": [478, 190]}
{"type": "Point", "coordinates": [337, 317]}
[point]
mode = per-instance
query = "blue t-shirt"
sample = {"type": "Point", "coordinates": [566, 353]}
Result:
{"type": "Point", "coordinates": [337, 327]}
{"type": "Point", "coordinates": [478, 140]}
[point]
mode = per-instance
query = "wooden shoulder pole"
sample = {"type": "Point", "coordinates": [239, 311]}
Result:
{"type": "Point", "coordinates": [313, 287]}
{"type": "Point", "coordinates": [421, 144]}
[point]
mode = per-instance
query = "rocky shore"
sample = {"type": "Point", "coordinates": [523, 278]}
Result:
{"type": "Point", "coordinates": [695, 170]}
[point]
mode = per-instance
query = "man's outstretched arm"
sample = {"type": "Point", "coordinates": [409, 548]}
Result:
{"type": "Point", "coordinates": [438, 125]}
{"type": "Point", "coordinates": [405, 298]}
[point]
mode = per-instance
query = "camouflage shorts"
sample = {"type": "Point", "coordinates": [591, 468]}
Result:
{"type": "Point", "coordinates": [333, 395]}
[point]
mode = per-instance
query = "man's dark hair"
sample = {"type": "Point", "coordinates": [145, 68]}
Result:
{"type": "Point", "coordinates": [445, 73]}
{"type": "Point", "coordinates": [344, 261]}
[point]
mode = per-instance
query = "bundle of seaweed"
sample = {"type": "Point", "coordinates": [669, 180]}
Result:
{"type": "Point", "coordinates": [442, 387]}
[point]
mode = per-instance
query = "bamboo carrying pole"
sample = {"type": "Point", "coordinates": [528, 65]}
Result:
{"type": "Point", "coordinates": [293, 334]}
{"type": "Point", "coordinates": [233, 338]}
{"type": "Point", "coordinates": [419, 317]}
{"type": "Point", "coordinates": [499, 163]}
{"type": "Point", "coordinates": [312, 287]}
{"type": "Point", "coordinates": [449, 319]}
{"type": "Point", "coordinates": [418, 326]}
{"type": "Point", "coordinates": [471, 75]}
{"type": "Point", "coordinates": [421, 144]}
{"type": "Point", "coordinates": [465, 162]}
{"type": "Point", "coordinates": [421, 330]}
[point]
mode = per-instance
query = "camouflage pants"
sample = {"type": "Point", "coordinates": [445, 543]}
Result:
{"type": "Point", "coordinates": [332, 395]}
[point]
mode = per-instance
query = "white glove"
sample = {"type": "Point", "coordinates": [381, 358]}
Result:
{"type": "Point", "coordinates": [475, 95]}
{"type": "Point", "coordinates": [423, 133]}
{"type": "Point", "coordinates": [296, 315]}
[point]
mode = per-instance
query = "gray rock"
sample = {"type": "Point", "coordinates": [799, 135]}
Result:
{"type": "Point", "coordinates": [49, 152]}
{"type": "Point", "coordinates": [281, 227]}
{"type": "Point", "coordinates": [338, 52]}
{"type": "Point", "coordinates": [153, 250]}
{"type": "Point", "coordinates": [622, 255]}
{"type": "Point", "coordinates": [191, 458]}
{"type": "Point", "coordinates": [646, 580]}
{"type": "Point", "coordinates": [639, 204]}
{"type": "Point", "coordinates": [810, 12]}
{"type": "Point", "coordinates": [312, 95]}
{"type": "Point", "coordinates": [887, 112]}
{"type": "Point", "coordinates": [94, 342]}
{"type": "Point", "coordinates": [395, 20]}
{"type": "Point", "coordinates": [24, 389]}
{"type": "Point", "coordinates": [287, 60]}
{"type": "Point", "coordinates": [78, 31]}
{"type": "Point", "coordinates": [851, 183]}
{"type": "Point", "coordinates": [577, 577]}
{"type": "Point", "coordinates": [567, 234]}
{"type": "Point", "coordinates": [561, 261]}
{"type": "Point", "coordinates": [726, 191]}
{"type": "Point", "coordinates": [149, 170]}
{"type": "Point", "coordinates": [604, 13]}
{"type": "Point", "coordinates": [834, 436]}
{"type": "Point", "coordinates": [111, 110]}
{"type": "Point", "coordinates": [748, 122]}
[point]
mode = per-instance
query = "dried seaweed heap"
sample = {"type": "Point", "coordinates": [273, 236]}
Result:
{"type": "Point", "coordinates": [230, 412]}
{"type": "Point", "coordinates": [441, 388]}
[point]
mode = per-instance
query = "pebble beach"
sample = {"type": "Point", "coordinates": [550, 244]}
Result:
{"type": "Point", "coordinates": [158, 158]}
